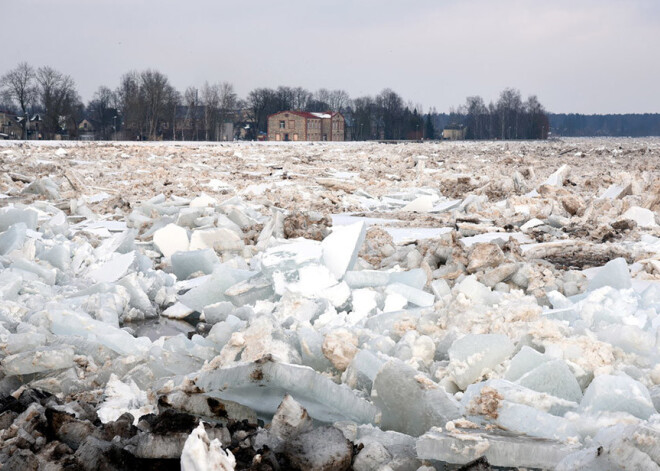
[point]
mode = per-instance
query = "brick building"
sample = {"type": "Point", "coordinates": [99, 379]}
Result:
{"type": "Point", "coordinates": [306, 126]}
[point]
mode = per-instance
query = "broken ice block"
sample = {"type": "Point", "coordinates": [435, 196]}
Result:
{"type": "Point", "coordinates": [410, 402]}
{"type": "Point", "coordinates": [617, 394]}
{"type": "Point", "coordinates": [474, 354]}
{"type": "Point", "coordinates": [366, 278]}
{"type": "Point", "coordinates": [413, 295]}
{"type": "Point", "coordinates": [557, 179]}
{"type": "Point", "coordinates": [58, 256]}
{"type": "Point", "coordinates": [524, 361]}
{"type": "Point", "coordinates": [13, 238]}
{"type": "Point", "coordinates": [47, 275]}
{"type": "Point", "coordinates": [341, 247]}
{"type": "Point", "coordinates": [74, 323]}
{"type": "Point", "coordinates": [213, 290]}
{"type": "Point", "coordinates": [171, 239]}
{"type": "Point", "coordinates": [291, 256]}
{"type": "Point", "coordinates": [13, 216]}
{"type": "Point", "coordinates": [415, 278]}
{"type": "Point", "coordinates": [185, 264]}
{"type": "Point", "coordinates": [500, 448]}
{"type": "Point", "coordinates": [615, 191]}
{"type": "Point", "coordinates": [553, 377]}
{"type": "Point", "coordinates": [476, 291]}
{"type": "Point", "coordinates": [420, 204]}
{"type": "Point", "coordinates": [643, 217]}
{"type": "Point", "coordinates": [219, 239]}
{"type": "Point", "coordinates": [113, 269]}
{"type": "Point", "coordinates": [37, 361]}
{"type": "Point", "coordinates": [248, 292]}
{"type": "Point", "coordinates": [262, 385]}
{"type": "Point", "coordinates": [614, 273]}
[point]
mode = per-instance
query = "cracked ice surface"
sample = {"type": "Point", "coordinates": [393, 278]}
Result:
{"type": "Point", "coordinates": [502, 300]}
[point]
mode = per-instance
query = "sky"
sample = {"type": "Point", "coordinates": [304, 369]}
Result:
{"type": "Point", "coordinates": [580, 56]}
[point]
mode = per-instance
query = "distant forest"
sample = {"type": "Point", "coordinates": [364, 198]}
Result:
{"type": "Point", "coordinates": [617, 125]}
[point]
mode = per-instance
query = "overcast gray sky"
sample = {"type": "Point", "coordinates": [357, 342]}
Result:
{"type": "Point", "coordinates": [586, 56]}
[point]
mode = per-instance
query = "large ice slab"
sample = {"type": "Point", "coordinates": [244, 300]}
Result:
{"type": "Point", "coordinates": [171, 239]}
{"type": "Point", "coordinates": [213, 290]}
{"type": "Point", "coordinates": [614, 273]}
{"type": "Point", "coordinates": [553, 377]}
{"type": "Point", "coordinates": [474, 354]}
{"type": "Point", "coordinates": [37, 361]}
{"type": "Point", "coordinates": [411, 403]}
{"type": "Point", "coordinates": [341, 247]}
{"type": "Point", "coordinates": [498, 447]}
{"type": "Point", "coordinates": [608, 393]}
{"type": "Point", "coordinates": [185, 264]}
{"type": "Point", "coordinates": [262, 385]}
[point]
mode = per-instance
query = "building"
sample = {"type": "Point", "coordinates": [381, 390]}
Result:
{"type": "Point", "coordinates": [306, 126]}
{"type": "Point", "coordinates": [454, 132]}
{"type": "Point", "coordinates": [9, 126]}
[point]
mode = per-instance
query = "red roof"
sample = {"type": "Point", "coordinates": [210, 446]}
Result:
{"type": "Point", "coordinates": [307, 114]}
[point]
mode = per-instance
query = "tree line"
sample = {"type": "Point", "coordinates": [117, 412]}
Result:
{"type": "Point", "coordinates": [508, 118]}
{"type": "Point", "coordinates": [145, 105]}
{"type": "Point", "coordinates": [617, 125]}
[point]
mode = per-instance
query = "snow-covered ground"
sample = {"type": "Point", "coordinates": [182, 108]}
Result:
{"type": "Point", "coordinates": [429, 303]}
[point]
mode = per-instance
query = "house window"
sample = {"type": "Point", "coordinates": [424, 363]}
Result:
{"type": "Point", "coordinates": [282, 124]}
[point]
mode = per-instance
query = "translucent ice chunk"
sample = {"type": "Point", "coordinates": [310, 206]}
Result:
{"type": "Point", "coordinates": [614, 273]}
{"type": "Point", "coordinates": [472, 355]}
{"type": "Point", "coordinates": [13, 216]}
{"type": "Point", "coordinates": [58, 256]}
{"type": "Point", "coordinates": [37, 361]}
{"type": "Point", "coordinates": [185, 264]}
{"type": "Point", "coordinates": [553, 377]}
{"type": "Point", "coordinates": [248, 292]}
{"type": "Point", "coordinates": [501, 449]}
{"type": "Point", "coordinates": [47, 274]}
{"type": "Point", "coordinates": [13, 238]}
{"type": "Point", "coordinates": [288, 257]}
{"type": "Point", "coordinates": [341, 247]}
{"type": "Point", "coordinates": [262, 385]}
{"type": "Point", "coordinates": [413, 295]}
{"type": "Point", "coordinates": [366, 278]}
{"type": "Point", "coordinates": [213, 290]}
{"type": "Point", "coordinates": [524, 361]}
{"type": "Point", "coordinates": [617, 393]}
{"type": "Point", "coordinates": [410, 402]}
{"type": "Point", "coordinates": [113, 269]}
{"type": "Point", "coordinates": [73, 323]}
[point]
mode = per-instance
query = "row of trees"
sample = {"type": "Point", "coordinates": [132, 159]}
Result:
{"type": "Point", "coordinates": [146, 105]}
{"type": "Point", "coordinates": [53, 93]}
{"type": "Point", "coordinates": [509, 118]}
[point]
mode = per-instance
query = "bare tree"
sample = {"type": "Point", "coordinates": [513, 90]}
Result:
{"type": "Point", "coordinates": [131, 104]}
{"type": "Point", "coordinates": [102, 109]}
{"type": "Point", "coordinates": [228, 103]}
{"type": "Point", "coordinates": [210, 99]}
{"type": "Point", "coordinates": [59, 99]}
{"type": "Point", "coordinates": [191, 102]}
{"type": "Point", "coordinates": [20, 86]}
{"type": "Point", "coordinates": [159, 98]}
